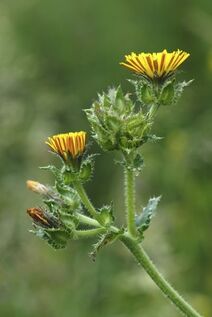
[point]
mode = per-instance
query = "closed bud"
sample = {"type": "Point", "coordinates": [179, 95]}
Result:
{"type": "Point", "coordinates": [115, 121]}
{"type": "Point", "coordinates": [37, 187]}
{"type": "Point", "coordinates": [108, 116]}
{"type": "Point", "coordinates": [43, 218]}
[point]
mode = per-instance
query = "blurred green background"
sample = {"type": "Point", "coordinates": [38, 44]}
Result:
{"type": "Point", "coordinates": [54, 57]}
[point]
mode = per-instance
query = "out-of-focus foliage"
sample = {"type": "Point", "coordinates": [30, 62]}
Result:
{"type": "Point", "coordinates": [55, 56]}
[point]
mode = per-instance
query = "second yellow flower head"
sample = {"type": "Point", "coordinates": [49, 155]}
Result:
{"type": "Point", "coordinates": [68, 144]}
{"type": "Point", "coordinates": [159, 65]}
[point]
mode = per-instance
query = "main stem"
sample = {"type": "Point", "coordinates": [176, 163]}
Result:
{"type": "Point", "coordinates": [156, 276]}
{"type": "Point", "coordinates": [130, 200]}
{"type": "Point", "coordinates": [133, 245]}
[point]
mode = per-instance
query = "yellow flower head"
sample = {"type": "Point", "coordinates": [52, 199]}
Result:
{"type": "Point", "coordinates": [68, 144]}
{"type": "Point", "coordinates": [155, 65]}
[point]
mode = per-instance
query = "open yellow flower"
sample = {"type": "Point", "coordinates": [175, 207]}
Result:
{"type": "Point", "coordinates": [155, 65]}
{"type": "Point", "coordinates": [68, 144]}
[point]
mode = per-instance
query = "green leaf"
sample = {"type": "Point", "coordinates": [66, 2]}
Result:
{"type": "Point", "coordinates": [144, 91]}
{"type": "Point", "coordinates": [69, 221]}
{"type": "Point", "coordinates": [147, 96]}
{"type": "Point", "coordinates": [58, 176]}
{"type": "Point", "coordinates": [69, 176]}
{"type": "Point", "coordinates": [138, 163]}
{"type": "Point", "coordinates": [105, 215]}
{"type": "Point", "coordinates": [179, 88]}
{"type": "Point", "coordinates": [86, 168]}
{"type": "Point", "coordinates": [134, 163]}
{"type": "Point", "coordinates": [167, 94]}
{"type": "Point", "coordinates": [104, 240]}
{"type": "Point", "coordinates": [143, 220]}
{"type": "Point", "coordinates": [154, 138]}
{"type": "Point", "coordinates": [70, 201]}
{"type": "Point", "coordinates": [57, 239]}
{"type": "Point", "coordinates": [53, 169]}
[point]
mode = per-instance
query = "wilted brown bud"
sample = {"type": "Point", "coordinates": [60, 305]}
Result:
{"type": "Point", "coordinates": [43, 218]}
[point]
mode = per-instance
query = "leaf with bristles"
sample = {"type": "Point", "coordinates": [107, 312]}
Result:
{"type": "Point", "coordinates": [143, 220]}
{"type": "Point", "coordinates": [104, 240]}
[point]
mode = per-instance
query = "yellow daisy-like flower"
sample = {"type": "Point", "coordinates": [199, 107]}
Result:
{"type": "Point", "coordinates": [68, 144]}
{"type": "Point", "coordinates": [157, 65]}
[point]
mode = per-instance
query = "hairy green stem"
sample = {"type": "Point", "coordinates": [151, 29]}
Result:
{"type": "Point", "coordinates": [156, 276]}
{"type": "Point", "coordinates": [80, 234]}
{"type": "Point", "coordinates": [85, 200]}
{"type": "Point", "coordinates": [87, 220]}
{"type": "Point", "coordinates": [130, 201]}
{"type": "Point", "coordinates": [91, 209]}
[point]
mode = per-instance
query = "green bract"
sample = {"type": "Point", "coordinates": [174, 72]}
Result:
{"type": "Point", "coordinates": [158, 92]}
{"type": "Point", "coordinates": [115, 122]}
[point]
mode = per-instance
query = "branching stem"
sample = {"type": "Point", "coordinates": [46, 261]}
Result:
{"type": "Point", "coordinates": [83, 234]}
{"type": "Point", "coordinates": [87, 220]}
{"type": "Point", "coordinates": [85, 200]}
{"type": "Point", "coordinates": [91, 209]}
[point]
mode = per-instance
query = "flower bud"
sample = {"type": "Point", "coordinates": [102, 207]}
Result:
{"type": "Point", "coordinates": [37, 187]}
{"type": "Point", "coordinates": [43, 218]}
{"type": "Point", "coordinates": [115, 122]}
